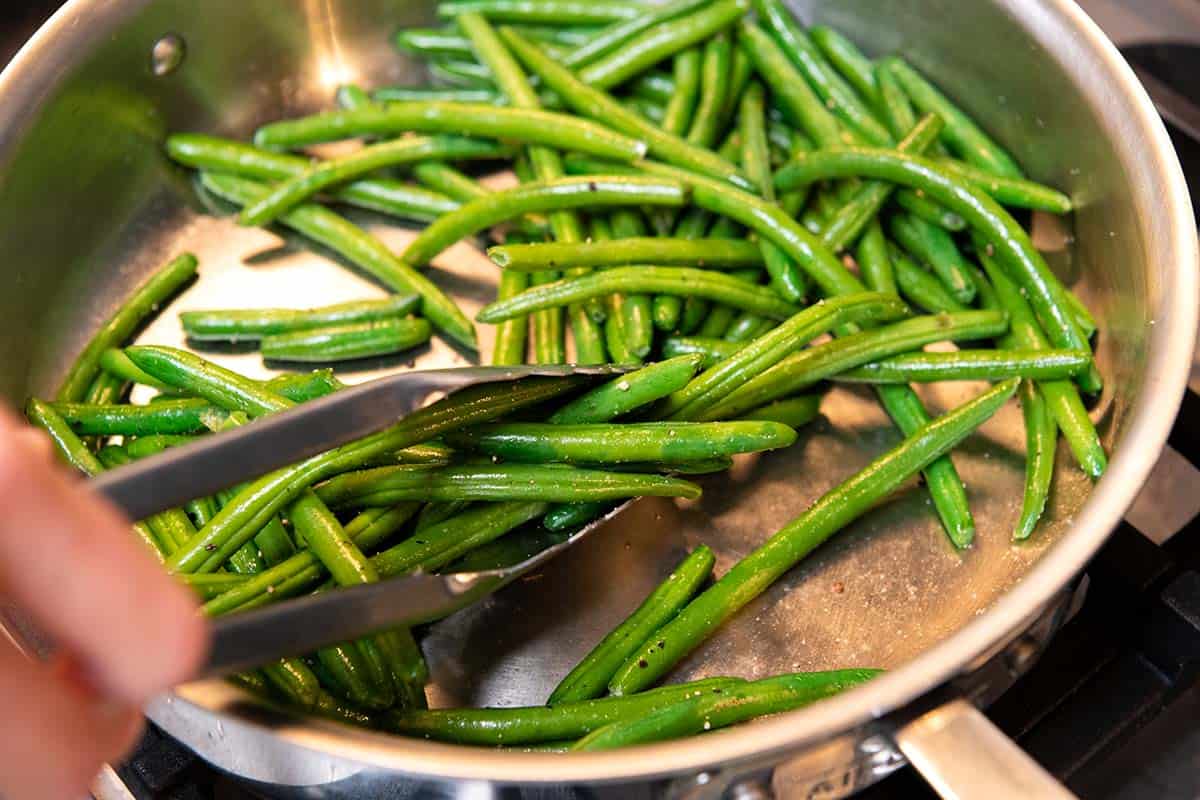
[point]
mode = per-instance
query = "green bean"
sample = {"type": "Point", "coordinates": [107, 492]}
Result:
{"type": "Point", "coordinates": [294, 681]}
{"type": "Point", "coordinates": [347, 342]}
{"type": "Point", "coordinates": [114, 362]}
{"type": "Point", "coordinates": [971, 365]}
{"type": "Point", "coordinates": [573, 515]}
{"type": "Point", "coordinates": [835, 93]}
{"type": "Point", "coordinates": [1041, 438]}
{"type": "Point", "coordinates": [596, 104]}
{"type": "Point", "coordinates": [645, 108]}
{"type": "Point", "coordinates": [207, 587]}
{"type": "Point", "coordinates": [874, 263]}
{"type": "Point", "coordinates": [564, 193]}
{"type": "Point", "coordinates": [961, 134]}
{"type": "Point", "coordinates": [144, 301]}
{"type": "Point", "coordinates": [669, 309]}
{"type": "Point", "coordinates": [714, 86]}
{"type": "Point", "coordinates": [250, 324]}
{"type": "Point", "coordinates": [744, 328]}
{"type": "Point", "coordinates": [724, 707]}
{"type": "Point", "coordinates": [1012, 245]}
{"type": "Point", "coordinates": [531, 724]}
{"type": "Point", "coordinates": [466, 74]}
{"type": "Point", "coordinates": [191, 415]}
{"type": "Point", "coordinates": [660, 42]}
{"type": "Point", "coordinates": [1061, 396]}
{"type": "Point", "coordinates": [265, 496]}
{"type": "Point", "coordinates": [1083, 317]}
{"type": "Point", "coordinates": [936, 248]}
{"type": "Point", "coordinates": [795, 412]}
{"type": "Point", "coordinates": [509, 347]}
{"type": "Point", "coordinates": [705, 253]}
{"type": "Point", "coordinates": [1015, 192]}
{"type": "Point", "coordinates": [238, 158]}
{"type": "Point", "coordinates": [195, 375]}
{"type": "Point", "coordinates": [425, 94]}
{"type": "Point", "coordinates": [920, 208]}
{"type": "Point", "coordinates": [620, 34]}
{"type": "Point", "coordinates": [789, 88]}
{"type": "Point", "coordinates": [75, 453]}
{"type": "Point", "coordinates": [433, 42]}
{"type": "Point", "coordinates": [718, 321]}
{"type": "Point", "coordinates": [720, 381]}
{"type": "Point", "coordinates": [712, 351]}
{"type": "Point", "coordinates": [497, 482]}
{"type": "Point", "coordinates": [662, 280]}
{"type": "Point", "coordinates": [655, 87]}
{"type": "Point", "coordinates": [569, 37]}
{"type": "Point", "coordinates": [895, 108]}
{"type": "Point", "coordinates": [628, 392]}
{"type": "Point", "coordinates": [366, 530]}
{"type": "Point", "coordinates": [360, 248]}
{"type": "Point", "coordinates": [852, 217]}
{"type": "Point", "coordinates": [296, 190]}
{"type": "Point", "coordinates": [550, 12]}
{"type": "Point", "coordinates": [106, 387]}
{"type": "Point", "coordinates": [806, 367]}
{"type": "Point", "coordinates": [850, 62]}
{"type": "Point", "coordinates": [615, 444]}
{"type": "Point", "coordinates": [590, 677]}
{"type": "Point", "coordinates": [443, 543]}
{"type": "Point", "coordinates": [636, 312]}
{"type": "Point", "coordinates": [677, 116]}
{"type": "Point", "coordinates": [920, 287]}
{"type": "Point", "coordinates": [496, 122]}
{"type": "Point", "coordinates": [750, 576]}
{"type": "Point", "coordinates": [786, 278]}
{"type": "Point", "coordinates": [741, 70]}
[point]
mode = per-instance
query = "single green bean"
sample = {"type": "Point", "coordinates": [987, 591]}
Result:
{"type": "Point", "coordinates": [114, 362]}
{"type": "Point", "coordinates": [145, 301]}
{"type": "Point", "coordinates": [795, 412]}
{"type": "Point", "coordinates": [936, 248]}
{"type": "Point", "coordinates": [711, 351]}
{"type": "Point", "coordinates": [296, 190]}
{"type": "Point", "coordinates": [747, 327]}
{"type": "Point", "coordinates": [195, 375]}
{"type": "Point", "coordinates": [509, 347]}
{"type": "Point", "coordinates": [971, 365]}
{"type": "Point", "coordinates": [360, 248]}
{"type": "Point", "coordinates": [679, 281]}
{"type": "Point", "coordinates": [677, 116]}
{"type": "Point", "coordinates": [719, 381]}
{"type": "Point", "coordinates": [497, 482]}
{"type": "Point", "coordinates": [628, 392]}
{"type": "Point", "coordinates": [728, 706]}
{"type": "Point", "coordinates": [191, 415]}
{"type": "Point", "coordinates": [106, 387]}
{"type": "Point", "coordinates": [834, 511]}
{"type": "Point", "coordinates": [550, 12]}
{"type": "Point", "coordinates": [874, 263]}
{"type": "Point", "coordinates": [806, 367]}
{"type": "Point", "coordinates": [636, 311]}
{"type": "Point", "coordinates": [895, 109]}
{"type": "Point", "coordinates": [596, 104]}
{"type": "Point", "coordinates": [718, 321]}
{"type": "Point", "coordinates": [786, 278]}
{"type": "Point", "coordinates": [425, 94]}
{"type": "Point", "coordinates": [347, 342]}
{"type": "Point", "coordinates": [1015, 192]}
{"type": "Point", "coordinates": [573, 515]}
{"type": "Point", "coordinates": [433, 42]}
{"type": "Point", "coordinates": [620, 34]}
{"type": "Point", "coordinates": [850, 62]}
{"type": "Point", "coordinates": [1012, 245]}
{"type": "Point", "coordinates": [265, 496]}
{"type": "Point", "coordinates": [961, 133]}
{"type": "Point", "coordinates": [835, 93]}
{"type": "Point", "coordinates": [590, 677]}
{"type": "Point", "coordinates": [250, 324]}
{"type": "Point", "coordinates": [513, 726]}
{"type": "Point", "coordinates": [528, 126]}
{"type": "Point", "coordinates": [553, 195]}
{"type": "Point", "coordinates": [703, 253]}
{"type": "Point", "coordinates": [714, 86]}
{"type": "Point", "coordinates": [615, 444]}
{"type": "Point", "coordinates": [660, 42]}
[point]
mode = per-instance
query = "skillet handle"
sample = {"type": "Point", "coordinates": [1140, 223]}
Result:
{"type": "Point", "coordinates": [963, 755]}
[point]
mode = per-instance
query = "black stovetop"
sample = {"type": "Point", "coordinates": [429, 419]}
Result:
{"type": "Point", "coordinates": [1111, 707]}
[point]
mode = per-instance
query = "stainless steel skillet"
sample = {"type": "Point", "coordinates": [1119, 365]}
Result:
{"type": "Point", "coordinates": [87, 206]}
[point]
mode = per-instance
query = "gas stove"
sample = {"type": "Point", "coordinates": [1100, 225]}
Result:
{"type": "Point", "coordinates": [1110, 708]}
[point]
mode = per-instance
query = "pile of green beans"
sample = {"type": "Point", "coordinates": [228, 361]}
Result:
{"type": "Point", "coordinates": [743, 211]}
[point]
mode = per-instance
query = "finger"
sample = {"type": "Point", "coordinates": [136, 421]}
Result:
{"type": "Point", "coordinates": [69, 559]}
{"type": "Point", "coordinates": [55, 735]}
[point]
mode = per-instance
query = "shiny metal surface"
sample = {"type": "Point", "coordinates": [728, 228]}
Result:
{"type": "Point", "coordinates": [87, 206]}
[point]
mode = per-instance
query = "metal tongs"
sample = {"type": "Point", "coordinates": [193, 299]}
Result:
{"type": "Point", "coordinates": [244, 640]}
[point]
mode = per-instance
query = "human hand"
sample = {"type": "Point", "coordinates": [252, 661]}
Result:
{"type": "Point", "coordinates": [124, 630]}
